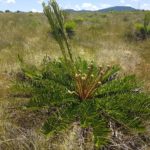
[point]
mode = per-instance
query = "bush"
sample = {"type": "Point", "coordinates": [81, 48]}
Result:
{"type": "Point", "coordinates": [79, 20]}
{"type": "Point", "coordinates": [18, 11]}
{"type": "Point", "coordinates": [125, 18]}
{"type": "Point", "coordinates": [7, 11]}
{"type": "Point", "coordinates": [70, 28]}
{"type": "Point", "coordinates": [103, 15]}
{"type": "Point", "coordinates": [140, 31]}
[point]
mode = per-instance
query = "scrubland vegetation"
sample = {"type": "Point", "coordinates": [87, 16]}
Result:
{"type": "Point", "coordinates": [79, 85]}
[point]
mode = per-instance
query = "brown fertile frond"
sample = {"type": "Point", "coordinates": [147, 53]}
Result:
{"type": "Point", "coordinates": [87, 84]}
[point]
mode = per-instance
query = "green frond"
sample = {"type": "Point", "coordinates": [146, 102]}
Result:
{"type": "Point", "coordinates": [59, 120]}
{"type": "Point", "coordinates": [129, 109]}
{"type": "Point", "coordinates": [127, 84]}
{"type": "Point", "coordinates": [111, 74]}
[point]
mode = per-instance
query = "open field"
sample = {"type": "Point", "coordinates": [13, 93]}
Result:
{"type": "Point", "coordinates": [99, 37]}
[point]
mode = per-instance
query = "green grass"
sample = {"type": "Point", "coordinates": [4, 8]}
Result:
{"type": "Point", "coordinates": [28, 35]}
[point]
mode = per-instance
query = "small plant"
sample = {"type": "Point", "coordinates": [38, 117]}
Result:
{"type": "Point", "coordinates": [79, 20]}
{"type": "Point", "coordinates": [18, 11]}
{"type": "Point", "coordinates": [125, 19]}
{"type": "Point", "coordinates": [142, 30]}
{"type": "Point", "coordinates": [93, 96]}
{"type": "Point", "coordinates": [70, 27]}
{"type": "Point", "coordinates": [103, 15]}
{"type": "Point", "coordinates": [7, 11]}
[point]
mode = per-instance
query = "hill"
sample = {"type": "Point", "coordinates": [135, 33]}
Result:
{"type": "Point", "coordinates": [118, 8]}
{"type": "Point", "coordinates": [115, 8]}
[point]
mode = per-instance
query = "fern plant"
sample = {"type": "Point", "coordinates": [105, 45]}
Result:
{"type": "Point", "coordinates": [113, 100]}
{"type": "Point", "coordinates": [94, 96]}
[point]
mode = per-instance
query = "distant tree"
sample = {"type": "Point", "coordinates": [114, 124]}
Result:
{"type": "Point", "coordinates": [7, 11]}
{"type": "Point", "coordinates": [18, 11]}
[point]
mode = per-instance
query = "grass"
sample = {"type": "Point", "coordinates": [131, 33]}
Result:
{"type": "Point", "coordinates": [97, 36]}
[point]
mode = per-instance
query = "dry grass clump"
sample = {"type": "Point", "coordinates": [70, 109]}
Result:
{"type": "Point", "coordinates": [14, 137]}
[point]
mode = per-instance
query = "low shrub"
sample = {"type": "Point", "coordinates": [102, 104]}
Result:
{"type": "Point", "coordinates": [140, 31]}
{"type": "Point", "coordinates": [70, 28]}
{"type": "Point", "coordinates": [79, 20]}
{"type": "Point", "coordinates": [18, 11]}
{"type": "Point", "coordinates": [7, 11]}
{"type": "Point", "coordinates": [125, 19]}
{"type": "Point", "coordinates": [103, 15]}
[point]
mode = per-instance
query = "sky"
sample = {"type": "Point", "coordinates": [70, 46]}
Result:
{"type": "Point", "coordinates": [36, 5]}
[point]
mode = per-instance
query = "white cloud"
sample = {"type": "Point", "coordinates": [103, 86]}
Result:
{"type": "Point", "coordinates": [11, 1]}
{"type": "Point", "coordinates": [40, 1]}
{"type": "Point", "coordinates": [122, 1]}
{"type": "Point", "coordinates": [129, 5]}
{"type": "Point", "coordinates": [35, 10]}
{"type": "Point", "coordinates": [86, 6]}
{"type": "Point", "coordinates": [90, 6]}
{"type": "Point", "coordinates": [77, 7]}
{"type": "Point", "coordinates": [8, 1]}
{"type": "Point", "coordinates": [134, 0]}
{"type": "Point", "coordinates": [145, 6]}
{"type": "Point", "coordinates": [104, 6]}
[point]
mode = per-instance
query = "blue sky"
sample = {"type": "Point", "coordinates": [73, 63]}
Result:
{"type": "Point", "coordinates": [35, 5]}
